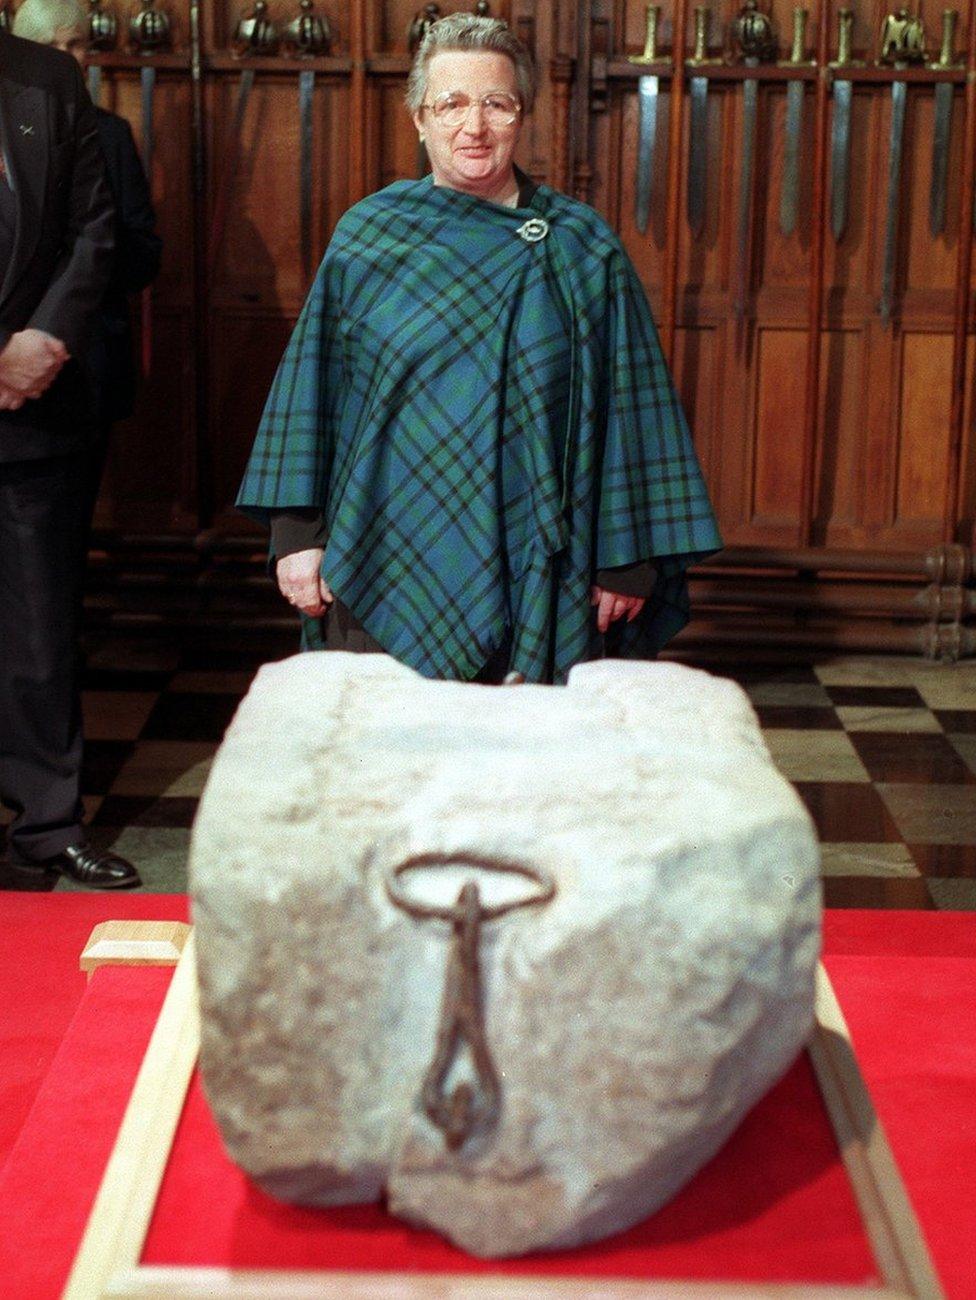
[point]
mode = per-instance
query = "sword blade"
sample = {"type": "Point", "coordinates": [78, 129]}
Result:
{"type": "Point", "coordinates": [898, 100]}
{"type": "Point", "coordinates": [940, 156]}
{"type": "Point", "coordinates": [698, 162]}
{"type": "Point", "coordinates": [790, 193]}
{"type": "Point", "coordinates": [647, 88]}
{"type": "Point", "coordinates": [840, 157]}
{"type": "Point", "coordinates": [750, 105]}
{"type": "Point", "coordinates": [306, 93]}
{"type": "Point", "coordinates": [148, 79]}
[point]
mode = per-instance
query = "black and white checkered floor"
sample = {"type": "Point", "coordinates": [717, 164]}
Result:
{"type": "Point", "coordinates": [881, 748]}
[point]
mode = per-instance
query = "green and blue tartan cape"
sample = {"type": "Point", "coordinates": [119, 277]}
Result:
{"type": "Point", "coordinates": [484, 422]}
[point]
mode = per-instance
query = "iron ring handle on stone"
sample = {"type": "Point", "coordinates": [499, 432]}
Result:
{"type": "Point", "coordinates": [461, 859]}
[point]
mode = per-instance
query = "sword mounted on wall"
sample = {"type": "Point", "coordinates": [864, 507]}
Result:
{"type": "Point", "coordinates": [150, 32]}
{"type": "Point", "coordinates": [840, 132]}
{"type": "Point", "coordinates": [755, 40]}
{"type": "Point", "coordinates": [902, 44]}
{"type": "Point", "coordinates": [103, 31]}
{"type": "Point", "coordinates": [648, 86]}
{"type": "Point", "coordinates": [789, 199]}
{"type": "Point", "coordinates": [255, 35]}
{"type": "Point", "coordinates": [944, 93]}
{"type": "Point", "coordinates": [697, 67]}
{"type": "Point", "coordinates": [307, 36]}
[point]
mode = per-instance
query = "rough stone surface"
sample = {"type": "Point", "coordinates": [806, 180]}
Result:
{"type": "Point", "coordinates": [633, 1020]}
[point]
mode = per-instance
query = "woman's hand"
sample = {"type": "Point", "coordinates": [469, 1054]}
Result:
{"type": "Point", "coordinates": [301, 583]}
{"type": "Point", "coordinates": [610, 606]}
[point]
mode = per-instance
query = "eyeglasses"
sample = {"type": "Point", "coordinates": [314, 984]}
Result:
{"type": "Point", "coordinates": [451, 108]}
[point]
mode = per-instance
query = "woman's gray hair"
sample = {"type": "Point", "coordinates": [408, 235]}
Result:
{"type": "Point", "coordinates": [40, 20]}
{"type": "Point", "coordinates": [469, 32]}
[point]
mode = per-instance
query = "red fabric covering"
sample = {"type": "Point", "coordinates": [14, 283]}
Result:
{"type": "Point", "coordinates": [54, 1168]}
{"type": "Point", "coordinates": [906, 981]}
{"type": "Point", "coordinates": [41, 938]}
{"type": "Point", "coordinates": [774, 1204]}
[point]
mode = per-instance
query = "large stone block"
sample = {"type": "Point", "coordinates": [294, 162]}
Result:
{"type": "Point", "coordinates": [632, 1020]}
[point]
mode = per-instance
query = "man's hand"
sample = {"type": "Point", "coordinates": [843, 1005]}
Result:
{"type": "Point", "coordinates": [610, 606]}
{"type": "Point", "coordinates": [301, 583]}
{"type": "Point", "coordinates": [29, 364]}
{"type": "Point", "coordinates": [9, 400]}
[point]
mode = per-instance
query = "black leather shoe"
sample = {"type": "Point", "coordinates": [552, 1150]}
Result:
{"type": "Point", "coordinates": [92, 867]}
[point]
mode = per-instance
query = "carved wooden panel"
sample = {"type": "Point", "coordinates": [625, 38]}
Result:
{"type": "Point", "coordinates": [878, 429]}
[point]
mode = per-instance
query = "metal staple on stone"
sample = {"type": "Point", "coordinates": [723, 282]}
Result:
{"type": "Point", "coordinates": [467, 1107]}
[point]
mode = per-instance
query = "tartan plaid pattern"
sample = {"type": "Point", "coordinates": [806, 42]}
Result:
{"type": "Point", "coordinates": [483, 421]}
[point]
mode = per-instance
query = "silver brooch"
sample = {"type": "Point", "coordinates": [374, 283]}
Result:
{"type": "Point", "coordinates": [533, 230]}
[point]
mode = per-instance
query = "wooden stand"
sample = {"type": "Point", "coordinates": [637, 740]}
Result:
{"type": "Point", "coordinates": [107, 1264]}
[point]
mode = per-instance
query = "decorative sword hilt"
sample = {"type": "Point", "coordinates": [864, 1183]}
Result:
{"type": "Point", "coordinates": [947, 58]}
{"type": "Point", "coordinates": [799, 35]}
{"type": "Point", "coordinates": [650, 39]}
{"type": "Point", "coordinates": [103, 26]}
{"type": "Point", "coordinates": [703, 18]}
{"type": "Point", "coordinates": [845, 31]}
{"type": "Point", "coordinates": [149, 28]}
{"type": "Point", "coordinates": [308, 34]}
{"type": "Point", "coordinates": [902, 39]}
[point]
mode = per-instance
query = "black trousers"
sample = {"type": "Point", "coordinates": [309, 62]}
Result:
{"type": "Point", "coordinates": [43, 524]}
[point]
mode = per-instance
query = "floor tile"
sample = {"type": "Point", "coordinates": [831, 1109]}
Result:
{"type": "Point", "coordinates": [869, 670]}
{"type": "Point", "coordinates": [880, 718]}
{"type": "Point", "coordinates": [801, 695]}
{"type": "Point", "coordinates": [127, 810]}
{"type": "Point", "coordinates": [885, 861]}
{"type": "Point", "coordinates": [957, 721]}
{"type": "Point", "coordinates": [778, 716]}
{"type": "Point", "coordinates": [948, 689]}
{"type": "Point", "coordinates": [212, 683]}
{"type": "Point", "coordinates": [953, 895]}
{"type": "Point", "coordinates": [166, 767]}
{"type": "Point", "coordinates": [103, 760]}
{"type": "Point", "coordinates": [194, 716]}
{"type": "Point", "coordinates": [965, 747]}
{"type": "Point", "coordinates": [932, 814]}
{"type": "Point", "coordinates": [133, 654]}
{"type": "Point", "coordinates": [913, 758]}
{"type": "Point", "coordinates": [123, 679]}
{"type": "Point", "coordinates": [871, 892]}
{"type": "Point", "coordinates": [845, 812]}
{"type": "Point", "coordinates": [203, 658]}
{"type": "Point", "coordinates": [815, 755]}
{"type": "Point", "coordinates": [116, 715]}
{"type": "Point", "coordinates": [945, 859]}
{"type": "Point", "coordinates": [879, 697]}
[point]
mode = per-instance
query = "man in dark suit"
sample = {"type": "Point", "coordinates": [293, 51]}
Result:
{"type": "Point", "coordinates": [56, 240]}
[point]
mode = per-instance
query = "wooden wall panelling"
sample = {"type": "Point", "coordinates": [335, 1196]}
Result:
{"type": "Point", "coordinates": [921, 437]}
{"type": "Point", "coordinates": [960, 490]}
{"type": "Point", "coordinates": [815, 425]}
{"type": "Point", "coordinates": [150, 480]}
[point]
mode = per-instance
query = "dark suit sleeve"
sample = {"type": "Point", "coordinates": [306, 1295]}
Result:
{"type": "Point", "coordinates": [82, 273]}
{"type": "Point", "coordinates": [139, 249]}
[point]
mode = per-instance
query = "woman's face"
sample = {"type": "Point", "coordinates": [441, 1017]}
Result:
{"type": "Point", "coordinates": [477, 155]}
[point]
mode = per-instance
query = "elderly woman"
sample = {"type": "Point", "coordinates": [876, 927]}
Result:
{"type": "Point", "coordinates": [472, 456]}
